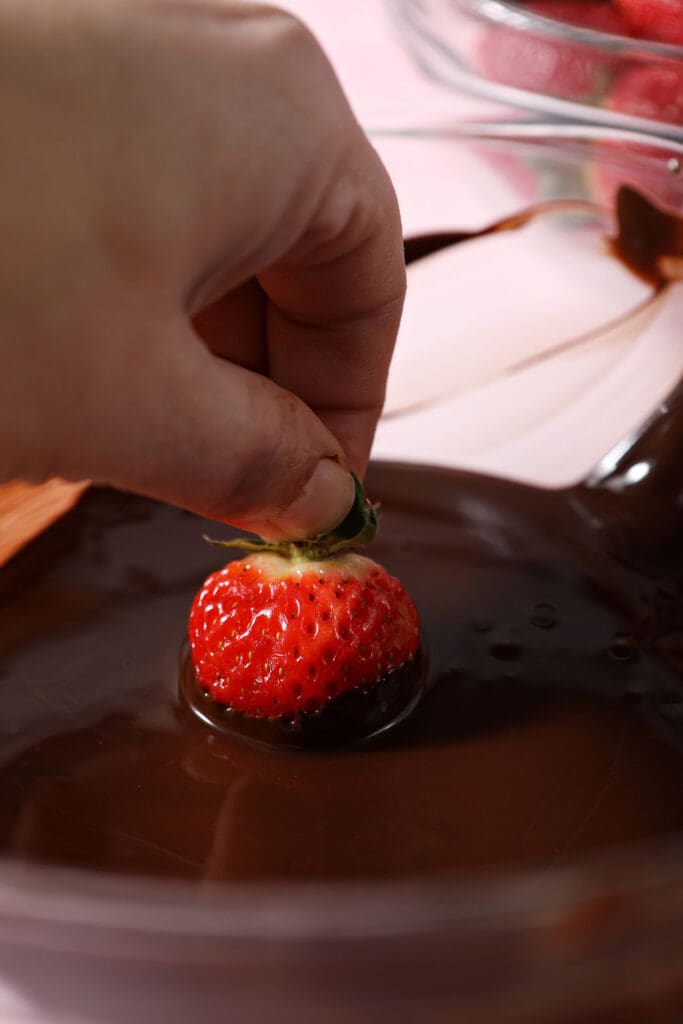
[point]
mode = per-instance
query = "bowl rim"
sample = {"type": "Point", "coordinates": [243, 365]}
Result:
{"type": "Point", "coordinates": [512, 14]}
{"type": "Point", "coordinates": [579, 140]}
{"type": "Point", "coordinates": [164, 919]}
{"type": "Point", "coordinates": [560, 134]}
{"type": "Point", "coordinates": [443, 62]}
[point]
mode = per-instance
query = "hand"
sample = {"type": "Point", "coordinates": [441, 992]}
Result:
{"type": "Point", "coordinates": [201, 274]}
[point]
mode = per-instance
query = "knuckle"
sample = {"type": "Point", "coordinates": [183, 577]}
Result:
{"type": "Point", "coordinates": [289, 37]}
{"type": "Point", "coordinates": [287, 51]}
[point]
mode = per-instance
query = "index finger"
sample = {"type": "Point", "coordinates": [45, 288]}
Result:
{"type": "Point", "coordinates": [335, 302]}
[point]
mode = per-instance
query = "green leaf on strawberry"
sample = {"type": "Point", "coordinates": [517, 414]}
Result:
{"type": "Point", "coordinates": [357, 529]}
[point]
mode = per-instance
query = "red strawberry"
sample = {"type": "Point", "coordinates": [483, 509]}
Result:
{"type": "Point", "coordinates": [292, 626]}
{"type": "Point", "coordinates": [652, 92]}
{"type": "Point", "coordinates": [540, 63]}
{"type": "Point", "coordinates": [549, 63]}
{"type": "Point", "coordinates": [655, 93]}
{"type": "Point", "coordinates": [271, 637]}
{"type": "Point", "coordinates": [537, 64]}
{"type": "Point", "coordinates": [660, 20]}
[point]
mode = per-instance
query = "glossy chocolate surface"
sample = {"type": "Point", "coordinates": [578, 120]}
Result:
{"type": "Point", "coordinates": [554, 626]}
{"type": "Point", "coordinates": [552, 721]}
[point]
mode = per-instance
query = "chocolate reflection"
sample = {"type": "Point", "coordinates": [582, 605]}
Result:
{"type": "Point", "coordinates": [357, 715]}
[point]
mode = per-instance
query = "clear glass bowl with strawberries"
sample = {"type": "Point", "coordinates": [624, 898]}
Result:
{"type": "Point", "coordinates": [617, 62]}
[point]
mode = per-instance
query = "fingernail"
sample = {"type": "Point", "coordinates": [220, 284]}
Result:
{"type": "Point", "coordinates": [322, 505]}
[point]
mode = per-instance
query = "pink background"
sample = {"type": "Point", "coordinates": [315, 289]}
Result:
{"type": "Point", "coordinates": [463, 331]}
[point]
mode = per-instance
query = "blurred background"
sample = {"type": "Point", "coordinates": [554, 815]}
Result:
{"type": "Point", "coordinates": [528, 353]}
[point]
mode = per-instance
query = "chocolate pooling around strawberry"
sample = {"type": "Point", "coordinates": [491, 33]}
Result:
{"type": "Point", "coordinates": [351, 719]}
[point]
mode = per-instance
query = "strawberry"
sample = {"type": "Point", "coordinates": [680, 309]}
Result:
{"type": "Point", "coordinates": [655, 93]}
{"type": "Point", "coordinates": [291, 626]}
{"type": "Point", "coordinates": [548, 62]}
{"type": "Point", "coordinates": [661, 20]}
{"type": "Point", "coordinates": [536, 63]}
{"type": "Point", "coordinates": [652, 92]}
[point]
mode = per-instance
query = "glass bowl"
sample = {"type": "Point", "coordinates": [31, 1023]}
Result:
{"type": "Point", "coordinates": [473, 396]}
{"type": "Point", "coordinates": [597, 940]}
{"type": "Point", "coordinates": [510, 53]}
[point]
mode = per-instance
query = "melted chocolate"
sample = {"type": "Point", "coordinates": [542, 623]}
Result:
{"type": "Point", "coordinates": [552, 722]}
{"type": "Point", "coordinates": [554, 624]}
{"type": "Point", "coordinates": [343, 722]}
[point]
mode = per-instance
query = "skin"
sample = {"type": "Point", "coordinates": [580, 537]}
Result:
{"type": "Point", "coordinates": [201, 275]}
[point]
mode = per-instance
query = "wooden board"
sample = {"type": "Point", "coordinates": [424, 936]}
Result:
{"type": "Point", "coordinates": [27, 509]}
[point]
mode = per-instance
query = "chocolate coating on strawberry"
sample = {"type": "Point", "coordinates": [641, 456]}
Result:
{"type": "Point", "coordinates": [348, 720]}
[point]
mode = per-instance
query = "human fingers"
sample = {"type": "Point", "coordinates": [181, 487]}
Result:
{"type": "Point", "coordinates": [212, 436]}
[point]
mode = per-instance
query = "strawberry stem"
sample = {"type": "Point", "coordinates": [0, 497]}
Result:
{"type": "Point", "coordinates": [358, 528]}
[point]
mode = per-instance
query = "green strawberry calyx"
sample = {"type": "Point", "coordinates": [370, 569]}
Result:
{"type": "Point", "coordinates": [358, 528]}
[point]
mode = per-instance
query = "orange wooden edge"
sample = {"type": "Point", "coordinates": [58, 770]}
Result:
{"type": "Point", "coordinates": [28, 509]}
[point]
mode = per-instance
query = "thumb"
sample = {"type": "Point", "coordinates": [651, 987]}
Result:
{"type": "Point", "coordinates": [220, 440]}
